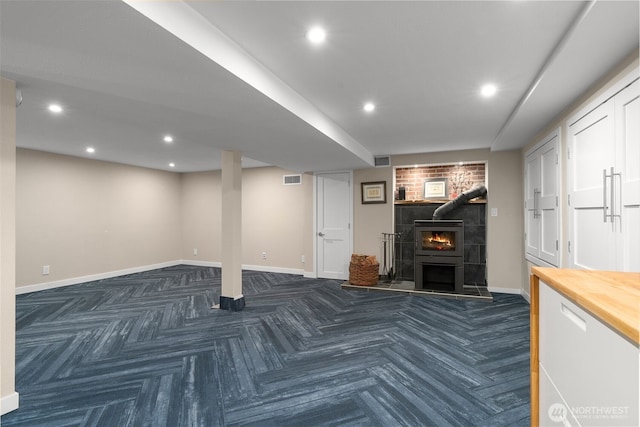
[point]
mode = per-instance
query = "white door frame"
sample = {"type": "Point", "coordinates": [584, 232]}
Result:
{"type": "Point", "coordinates": [315, 215]}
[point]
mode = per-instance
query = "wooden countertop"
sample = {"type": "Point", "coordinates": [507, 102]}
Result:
{"type": "Point", "coordinates": [611, 296]}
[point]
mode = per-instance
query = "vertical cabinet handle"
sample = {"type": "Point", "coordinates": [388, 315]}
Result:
{"type": "Point", "coordinates": [612, 196]}
{"type": "Point", "coordinates": [536, 203]}
{"type": "Point", "coordinates": [604, 194]}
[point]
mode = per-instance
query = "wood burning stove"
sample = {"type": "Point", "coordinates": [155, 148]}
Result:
{"type": "Point", "coordinates": [439, 255]}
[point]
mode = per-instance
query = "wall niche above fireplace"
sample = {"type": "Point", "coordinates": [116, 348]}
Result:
{"type": "Point", "coordinates": [458, 178]}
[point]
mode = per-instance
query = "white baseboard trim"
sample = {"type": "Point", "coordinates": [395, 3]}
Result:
{"type": "Point", "coordinates": [270, 269]}
{"type": "Point", "coordinates": [9, 403]}
{"type": "Point", "coordinates": [93, 277]}
{"type": "Point", "coordinates": [526, 296]}
{"type": "Point", "coordinates": [195, 263]}
{"type": "Point", "coordinates": [265, 268]}
{"type": "Point", "coordinates": [310, 275]}
{"type": "Point", "coordinates": [505, 290]}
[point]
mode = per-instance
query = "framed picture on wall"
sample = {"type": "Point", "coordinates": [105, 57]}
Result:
{"type": "Point", "coordinates": [374, 192]}
{"type": "Point", "coordinates": [435, 188]}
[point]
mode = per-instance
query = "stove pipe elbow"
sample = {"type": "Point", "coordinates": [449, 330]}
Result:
{"type": "Point", "coordinates": [463, 198]}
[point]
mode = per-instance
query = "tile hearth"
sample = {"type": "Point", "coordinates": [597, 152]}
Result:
{"type": "Point", "coordinates": [470, 292]}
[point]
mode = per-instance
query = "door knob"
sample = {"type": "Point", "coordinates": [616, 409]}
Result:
{"type": "Point", "coordinates": [320, 233]}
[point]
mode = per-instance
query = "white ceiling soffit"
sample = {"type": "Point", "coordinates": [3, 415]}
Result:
{"type": "Point", "coordinates": [603, 34]}
{"type": "Point", "coordinates": [125, 81]}
{"type": "Point", "coordinates": [422, 62]}
{"type": "Point", "coordinates": [189, 26]}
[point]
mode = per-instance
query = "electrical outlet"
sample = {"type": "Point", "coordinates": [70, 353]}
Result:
{"type": "Point", "coordinates": [494, 211]}
{"type": "Point", "coordinates": [195, 251]}
{"type": "Point", "coordinates": [45, 270]}
{"type": "Point", "coordinates": [264, 255]}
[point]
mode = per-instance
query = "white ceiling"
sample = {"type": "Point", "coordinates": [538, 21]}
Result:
{"type": "Point", "coordinates": [240, 75]}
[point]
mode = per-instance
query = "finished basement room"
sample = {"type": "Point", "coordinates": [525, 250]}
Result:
{"type": "Point", "coordinates": [310, 213]}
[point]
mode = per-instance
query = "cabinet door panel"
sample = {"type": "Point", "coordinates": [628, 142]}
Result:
{"type": "Point", "coordinates": [591, 144]}
{"type": "Point", "coordinates": [532, 186]}
{"type": "Point", "coordinates": [593, 241]}
{"type": "Point", "coordinates": [549, 236]}
{"type": "Point", "coordinates": [553, 409]}
{"type": "Point", "coordinates": [631, 240]}
{"type": "Point", "coordinates": [591, 365]}
{"type": "Point", "coordinates": [628, 164]}
{"type": "Point", "coordinates": [541, 201]}
{"type": "Point", "coordinates": [548, 210]}
{"type": "Point", "coordinates": [592, 151]}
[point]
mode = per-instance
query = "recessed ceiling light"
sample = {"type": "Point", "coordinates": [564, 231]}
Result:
{"type": "Point", "coordinates": [55, 108]}
{"type": "Point", "coordinates": [316, 35]}
{"type": "Point", "coordinates": [369, 107]}
{"type": "Point", "coordinates": [488, 90]}
{"type": "Point", "coordinates": [91, 150]}
{"type": "Point", "coordinates": [168, 138]}
{"type": "Point", "coordinates": [172, 165]}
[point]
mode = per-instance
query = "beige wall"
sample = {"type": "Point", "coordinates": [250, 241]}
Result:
{"type": "Point", "coordinates": [505, 192]}
{"type": "Point", "coordinates": [84, 217]}
{"type": "Point", "coordinates": [370, 221]}
{"type": "Point", "coordinates": [597, 90]}
{"type": "Point", "coordinates": [275, 219]}
{"type": "Point", "coordinates": [8, 397]}
{"type": "Point", "coordinates": [201, 224]}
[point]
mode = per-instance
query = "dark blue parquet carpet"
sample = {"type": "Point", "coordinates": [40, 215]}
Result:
{"type": "Point", "coordinates": [147, 350]}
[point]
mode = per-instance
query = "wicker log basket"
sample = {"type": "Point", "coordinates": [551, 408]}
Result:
{"type": "Point", "coordinates": [363, 270]}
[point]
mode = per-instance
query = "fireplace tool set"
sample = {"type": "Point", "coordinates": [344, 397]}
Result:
{"type": "Point", "coordinates": [389, 267]}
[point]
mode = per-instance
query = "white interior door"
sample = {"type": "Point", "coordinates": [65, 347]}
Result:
{"type": "Point", "coordinates": [627, 105]}
{"type": "Point", "coordinates": [333, 224]}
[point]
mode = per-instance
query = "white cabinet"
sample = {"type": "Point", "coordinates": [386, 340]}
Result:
{"type": "Point", "coordinates": [541, 200]}
{"type": "Point", "coordinates": [589, 373]}
{"type": "Point", "coordinates": [603, 176]}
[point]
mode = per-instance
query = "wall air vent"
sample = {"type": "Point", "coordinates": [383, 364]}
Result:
{"type": "Point", "coordinates": [292, 179]}
{"type": "Point", "coordinates": [382, 161]}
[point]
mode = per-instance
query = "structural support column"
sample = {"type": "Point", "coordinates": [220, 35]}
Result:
{"type": "Point", "coordinates": [231, 297]}
{"type": "Point", "coordinates": [8, 395]}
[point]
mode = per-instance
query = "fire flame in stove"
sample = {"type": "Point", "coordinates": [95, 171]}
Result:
{"type": "Point", "coordinates": [439, 242]}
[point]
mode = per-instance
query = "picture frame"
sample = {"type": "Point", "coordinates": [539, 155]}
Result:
{"type": "Point", "coordinates": [374, 192]}
{"type": "Point", "coordinates": [436, 188]}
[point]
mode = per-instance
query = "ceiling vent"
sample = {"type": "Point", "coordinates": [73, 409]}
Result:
{"type": "Point", "coordinates": [292, 179]}
{"type": "Point", "coordinates": [382, 161]}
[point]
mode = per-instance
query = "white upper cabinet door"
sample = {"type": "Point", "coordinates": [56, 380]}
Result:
{"type": "Point", "coordinates": [591, 153]}
{"type": "Point", "coordinates": [541, 201]}
{"type": "Point", "coordinates": [548, 202]}
{"type": "Point", "coordinates": [603, 175]}
{"type": "Point", "coordinates": [532, 224]}
{"type": "Point", "coordinates": [627, 184]}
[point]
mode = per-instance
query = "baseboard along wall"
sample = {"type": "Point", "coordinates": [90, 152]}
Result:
{"type": "Point", "coordinates": [107, 275]}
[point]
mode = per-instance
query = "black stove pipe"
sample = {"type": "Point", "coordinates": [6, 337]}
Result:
{"type": "Point", "coordinates": [463, 198]}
